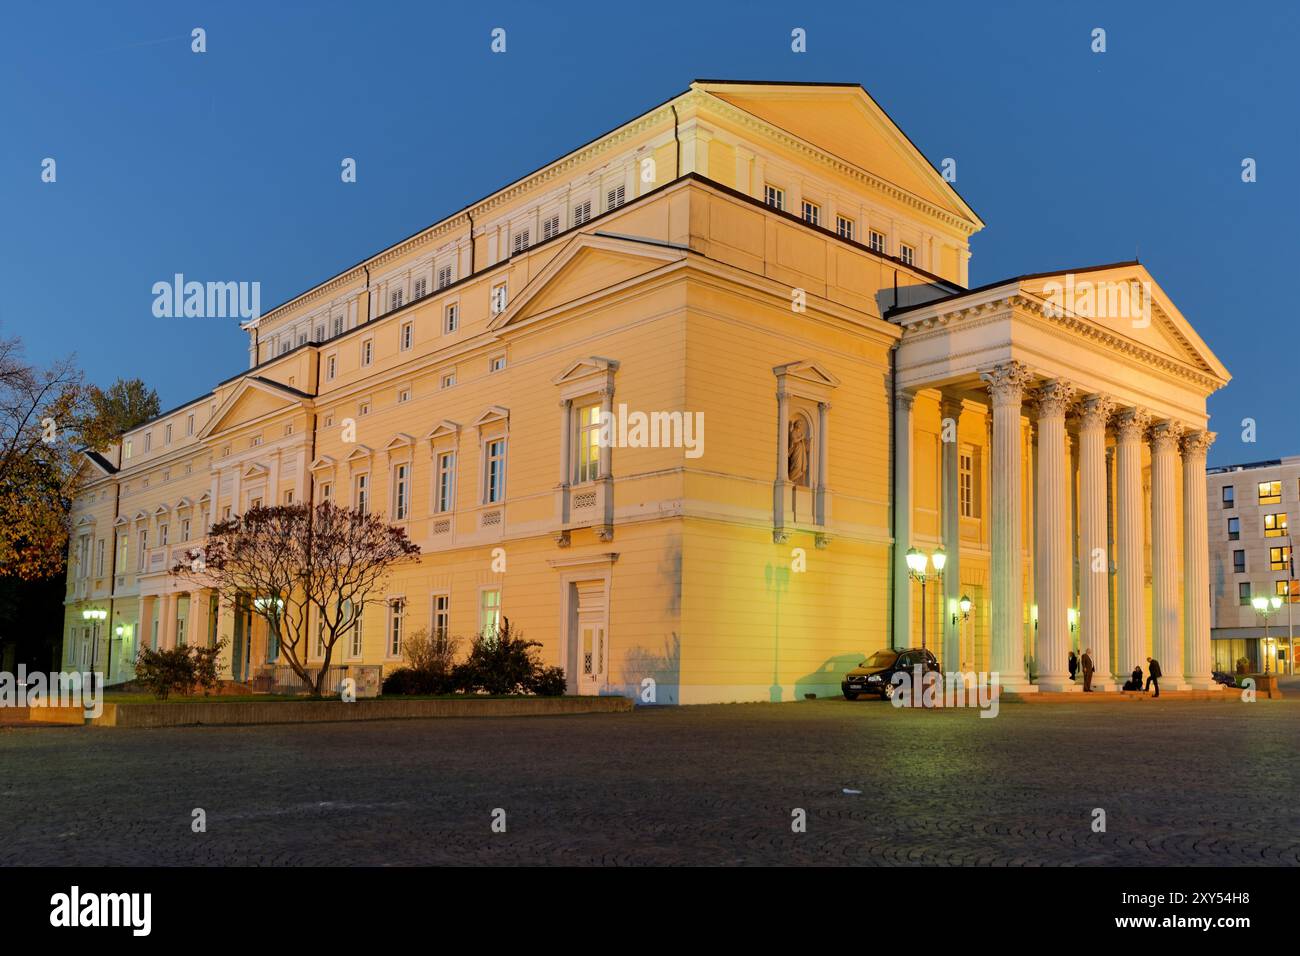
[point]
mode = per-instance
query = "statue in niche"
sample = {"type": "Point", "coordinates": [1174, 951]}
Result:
{"type": "Point", "coordinates": [800, 447]}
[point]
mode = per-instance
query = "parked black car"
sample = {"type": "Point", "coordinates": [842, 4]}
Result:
{"type": "Point", "coordinates": [875, 674]}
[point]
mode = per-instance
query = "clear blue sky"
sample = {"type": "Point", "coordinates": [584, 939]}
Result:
{"type": "Point", "coordinates": [226, 165]}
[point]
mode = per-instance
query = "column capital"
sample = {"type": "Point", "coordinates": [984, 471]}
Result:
{"type": "Point", "coordinates": [1054, 398]}
{"type": "Point", "coordinates": [904, 399]}
{"type": "Point", "coordinates": [1165, 435]}
{"type": "Point", "coordinates": [1007, 382]}
{"type": "Point", "coordinates": [1131, 423]}
{"type": "Point", "coordinates": [1197, 443]}
{"type": "Point", "coordinates": [1095, 411]}
{"type": "Point", "coordinates": [950, 406]}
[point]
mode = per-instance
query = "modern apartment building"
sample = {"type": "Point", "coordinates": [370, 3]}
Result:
{"type": "Point", "coordinates": [1250, 557]}
{"type": "Point", "coordinates": [777, 268]}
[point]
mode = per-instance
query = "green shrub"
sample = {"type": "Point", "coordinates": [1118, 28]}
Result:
{"type": "Point", "coordinates": [504, 662]}
{"type": "Point", "coordinates": [166, 671]}
{"type": "Point", "coordinates": [207, 665]}
{"type": "Point", "coordinates": [406, 681]}
{"type": "Point", "coordinates": [549, 682]}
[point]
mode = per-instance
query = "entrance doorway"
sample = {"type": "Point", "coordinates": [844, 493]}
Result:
{"type": "Point", "coordinates": [590, 635]}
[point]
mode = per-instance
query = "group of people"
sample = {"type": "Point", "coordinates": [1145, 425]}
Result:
{"type": "Point", "coordinates": [1084, 663]}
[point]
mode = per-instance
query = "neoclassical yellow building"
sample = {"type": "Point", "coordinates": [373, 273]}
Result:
{"type": "Point", "coordinates": [677, 403]}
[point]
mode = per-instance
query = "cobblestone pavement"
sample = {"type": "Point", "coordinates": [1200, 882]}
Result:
{"type": "Point", "coordinates": [1183, 782]}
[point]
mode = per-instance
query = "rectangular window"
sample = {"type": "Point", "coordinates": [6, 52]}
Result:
{"type": "Point", "coordinates": [615, 197]}
{"type": "Point", "coordinates": [444, 277]}
{"type": "Point", "coordinates": [403, 395]}
{"type": "Point", "coordinates": [394, 300]}
{"type": "Point", "coordinates": [148, 440]}
{"type": "Point", "coordinates": [320, 334]}
{"type": "Point", "coordinates": [331, 367]}
{"type": "Point", "coordinates": [326, 491]}
{"type": "Point", "coordinates": [845, 227]}
{"type": "Point", "coordinates": [966, 484]}
{"type": "Point", "coordinates": [401, 491]}
{"type": "Point", "coordinates": [499, 298]}
{"type": "Point", "coordinates": [99, 559]}
{"type": "Point", "coordinates": [185, 529]}
{"type": "Point", "coordinates": [489, 612]}
{"type": "Point", "coordinates": [581, 212]}
{"type": "Point", "coordinates": [355, 635]}
{"type": "Point", "coordinates": [362, 497]}
{"type": "Point", "coordinates": [521, 241]}
{"type": "Point", "coordinates": [167, 434]}
{"type": "Point", "coordinates": [1275, 525]}
{"type": "Point", "coordinates": [446, 481]}
{"type": "Point", "coordinates": [189, 425]}
{"type": "Point", "coordinates": [494, 471]}
{"type": "Point", "coordinates": [586, 465]}
{"type": "Point", "coordinates": [551, 228]}
{"type": "Point", "coordinates": [906, 253]}
{"type": "Point", "coordinates": [812, 213]}
{"type": "Point", "coordinates": [396, 618]}
{"type": "Point", "coordinates": [1270, 492]}
{"type": "Point", "coordinates": [1228, 501]}
{"type": "Point", "coordinates": [129, 448]}
{"type": "Point", "coordinates": [774, 197]}
{"type": "Point", "coordinates": [1239, 562]}
{"type": "Point", "coordinates": [162, 536]}
{"type": "Point", "coordinates": [144, 546]}
{"type": "Point", "coordinates": [121, 553]}
{"type": "Point", "coordinates": [1234, 529]}
{"type": "Point", "coordinates": [876, 240]}
{"type": "Point", "coordinates": [448, 379]}
{"type": "Point", "coordinates": [419, 288]}
{"type": "Point", "coordinates": [451, 317]}
{"type": "Point", "coordinates": [288, 497]}
{"type": "Point", "coordinates": [320, 638]}
{"type": "Point", "coordinates": [1243, 593]}
{"type": "Point", "coordinates": [408, 333]}
{"type": "Point", "coordinates": [285, 346]}
{"type": "Point", "coordinates": [367, 351]}
{"type": "Point", "coordinates": [363, 409]}
{"type": "Point", "coordinates": [338, 325]}
{"type": "Point", "coordinates": [441, 629]}
{"type": "Point", "coordinates": [496, 363]}
{"type": "Point", "coordinates": [1279, 559]}
{"type": "Point", "coordinates": [302, 338]}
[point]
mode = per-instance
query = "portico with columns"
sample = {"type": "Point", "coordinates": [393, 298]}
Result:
{"type": "Point", "coordinates": [1094, 526]}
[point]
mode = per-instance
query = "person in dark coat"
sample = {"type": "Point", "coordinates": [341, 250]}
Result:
{"type": "Point", "coordinates": [1074, 665]}
{"type": "Point", "coordinates": [1088, 667]}
{"type": "Point", "coordinates": [1153, 675]}
{"type": "Point", "coordinates": [1134, 681]}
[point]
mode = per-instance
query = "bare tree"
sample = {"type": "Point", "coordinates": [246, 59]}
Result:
{"type": "Point", "coordinates": [299, 562]}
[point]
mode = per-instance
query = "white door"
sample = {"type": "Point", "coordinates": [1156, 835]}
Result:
{"type": "Point", "coordinates": [593, 652]}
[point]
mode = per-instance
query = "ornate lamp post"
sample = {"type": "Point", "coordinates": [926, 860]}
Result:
{"type": "Point", "coordinates": [1265, 607]}
{"type": "Point", "coordinates": [917, 569]}
{"type": "Point", "coordinates": [95, 614]}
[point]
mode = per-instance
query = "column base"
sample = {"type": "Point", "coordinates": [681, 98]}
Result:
{"type": "Point", "coordinates": [1057, 685]}
{"type": "Point", "coordinates": [1201, 683]}
{"type": "Point", "coordinates": [1105, 686]}
{"type": "Point", "coordinates": [1017, 685]}
{"type": "Point", "coordinates": [1173, 683]}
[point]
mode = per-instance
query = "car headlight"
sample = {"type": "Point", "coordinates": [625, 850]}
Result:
{"type": "Point", "coordinates": [874, 677]}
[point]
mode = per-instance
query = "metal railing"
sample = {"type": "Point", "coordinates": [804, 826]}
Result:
{"type": "Point", "coordinates": [287, 681]}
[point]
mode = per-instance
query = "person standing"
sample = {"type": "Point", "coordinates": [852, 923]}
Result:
{"type": "Point", "coordinates": [1074, 665]}
{"type": "Point", "coordinates": [1153, 675]}
{"type": "Point", "coordinates": [1088, 668]}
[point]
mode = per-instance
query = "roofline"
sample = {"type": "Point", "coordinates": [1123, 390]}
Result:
{"type": "Point", "coordinates": [1001, 282]}
{"type": "Point", "coordinates": [1244, 466]}
{"type": "Point", "coordinates": [979, 220]}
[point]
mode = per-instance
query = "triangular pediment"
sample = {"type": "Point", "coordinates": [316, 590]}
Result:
{"type": "Point", "coordinates": [844, 120]}
{"type": "Point", "coordinates": [492, 414]}
{"type": "Point", "coordinates": [398, 442]}
{"type": "Point", "coordinates": [582, 368]}
{"type": "Point", "coordinates": [589, 265]}
{"type": "Point", "coordinates": [323, 462]}
{"type": "Point", "coordinates": [255, 470]}
{"type": "Point", "coordinates": [1125, 300]}
{"type": "Point", "coordinates": [253, 399]}
{"type": "Point", "coordinates": [813, 372]}
{"type": "Point", "coordinates": [444, 429]}
{"type": "Point", "coordinates": [360, 453]}
{"type": "Point", "coordinates": [184, 503]}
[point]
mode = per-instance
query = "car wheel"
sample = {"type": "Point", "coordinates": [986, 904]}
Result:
{"type": "Point", "coordinates": [849, 695]}
{"type": "Point", "coordinates": [889, 692]}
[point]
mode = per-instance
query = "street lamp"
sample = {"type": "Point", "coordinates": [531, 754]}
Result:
{"type": "Point", "coordinates": [1265, 607]}
{"type": "Point", "coordinates": [917, 564]}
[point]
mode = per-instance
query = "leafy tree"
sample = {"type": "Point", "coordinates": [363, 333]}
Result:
{"type": "Point", "coordinates": [299, 562]}
{"type": "Point", "coordinates": [126, 403]}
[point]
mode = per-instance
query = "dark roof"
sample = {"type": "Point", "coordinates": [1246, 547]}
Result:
{"type": "Point", "coordinates": [100, 460]}
{"type": "Point", "coordinates": [1244, 466]}
{"type": "Point", "coordinates": [1021, 278]}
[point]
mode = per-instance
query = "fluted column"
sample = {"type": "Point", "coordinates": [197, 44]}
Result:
{"type": "Point", "coordinates": [1052, 536]}
{"type": "Point", "coordinates": [1197, 657]}
{"type": "Point", "coordinates": [950, 410]}
{"type": "Point", "coordinates": [902, 636]}
{"type": "Point", "coordinates": [1094, 554]}
{"type": "Point", "coordinates": [1130, 425]}
{"type": "Point", "coordinates": [1006, 384]}
{"type": "Point", "coordinates": [1167, 637]}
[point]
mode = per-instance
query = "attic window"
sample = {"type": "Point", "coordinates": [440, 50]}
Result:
{"type": "Point", "coordinates": [444, 277]}
{"type": "Point", "coordinates": [774, 196]}
{"type": "Point", "coordinates": [551, 228]}
{"type": "Point", "coordinates": [616, 197]}
{"type": "Point", "coordinates": [582, 212]}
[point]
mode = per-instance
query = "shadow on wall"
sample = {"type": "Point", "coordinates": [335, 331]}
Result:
{"type": "Point", "coordinates": [654, 678]}
{"type": "Point", "coordinates": [825, 680]}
